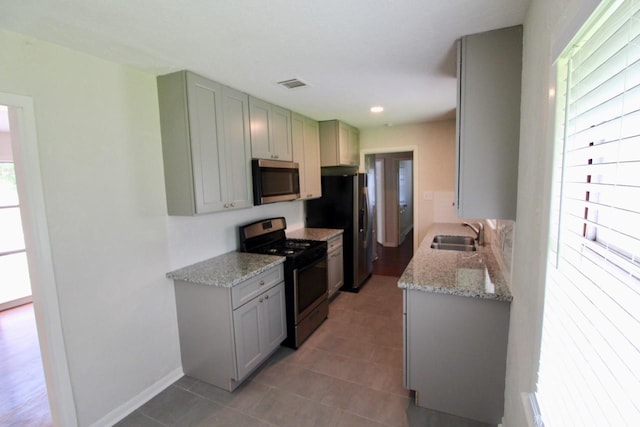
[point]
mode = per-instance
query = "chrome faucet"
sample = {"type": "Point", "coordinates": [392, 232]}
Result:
{"type": "Point", "coordinates": [479, 232]}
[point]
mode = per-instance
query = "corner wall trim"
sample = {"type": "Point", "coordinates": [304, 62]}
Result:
{"type": "Point", "coordinates": [532, 410]}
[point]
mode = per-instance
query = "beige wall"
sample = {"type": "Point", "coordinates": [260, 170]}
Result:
{"type": "Point", "coordinates": [434, 167]}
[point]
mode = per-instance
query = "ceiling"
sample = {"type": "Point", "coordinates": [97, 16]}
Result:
{"type": "Point", "coordinates": [353, 54]}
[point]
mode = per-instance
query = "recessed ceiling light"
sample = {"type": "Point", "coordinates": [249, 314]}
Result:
{"type": "Point", "coordinates": [377, 109]}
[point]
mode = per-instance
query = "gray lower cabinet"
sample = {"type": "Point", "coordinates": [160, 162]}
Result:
{"type": "Point", "coordinates": [335, 265]}
{"type": "Point", "coordinates": [205, 144]}
{"type": "Point", "coordinates": [455, 351]}
{"type": "Point", "coordinates": [488, 123]}
{"type": "Point", "coordinates": [225, 333]}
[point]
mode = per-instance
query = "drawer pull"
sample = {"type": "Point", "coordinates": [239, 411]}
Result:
{"type": "Point", "coordinates": [266, 297]}
{"type": "Point", "coordinates": [261, 282]}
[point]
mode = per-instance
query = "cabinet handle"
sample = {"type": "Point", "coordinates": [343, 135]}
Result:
{"type": "Point", "coordinates": [261, 282]}
{"type": "Point", "coordinates": [266, 297]}
{"type": "Point", "coordinates": [233, 205]}
{"type": "Point", "coordinates": [309, 195]}
{"type": "Point", "coordinates": [261, 299]}
{"type": "Point", "coordinates": [226, 205]}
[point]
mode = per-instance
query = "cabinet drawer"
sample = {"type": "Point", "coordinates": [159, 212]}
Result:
{"type": "Point", "coordinates": [334, 242]}
{"type": "Point", "coordinates": [245, 291]}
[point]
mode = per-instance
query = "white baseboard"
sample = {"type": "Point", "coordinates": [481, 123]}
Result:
{"type": "Point", "coordinates": [127, 408]}
{"type": "Point", "coordinates": [15, 303]}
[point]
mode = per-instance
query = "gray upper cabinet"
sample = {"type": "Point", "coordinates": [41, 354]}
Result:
{"type": "Point", "coordinates": [205, 144]}
{"type": "Point", "coordinates": [306, 152]}
{"type": "Point", "coordinates": [270, 131]}
{"type": "Point", "coordinates": [237, 144]}
{"type": "Point", "coordinates": [488, 123]}
{"type": "Point", "coordinates": [339, 144]}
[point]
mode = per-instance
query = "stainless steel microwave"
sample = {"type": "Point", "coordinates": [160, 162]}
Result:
{"type": "Point", "coordinates": [274, 181]}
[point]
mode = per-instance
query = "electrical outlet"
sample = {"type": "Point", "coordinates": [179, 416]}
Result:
{"type": "Point", "coordinates": [428, 195]}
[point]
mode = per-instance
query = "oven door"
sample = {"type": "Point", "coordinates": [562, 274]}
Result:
{"type": "Point", "coordinates": [309, 287]}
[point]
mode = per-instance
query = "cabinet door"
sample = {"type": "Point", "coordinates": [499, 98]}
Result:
{"type": "Point", "coordinates": [259, 114]}
{"type": "Point", "coordinates": [280, 137]}
{"type": "Point", "coordinates": [312, 159]}
{"type": "Point", "coordinates": [344, 147]}
{"type": "Point", "coordinates": [204, 99]}
{"type": "Point", "coordinates": [274, 320]}
{"type": "Point", "coordinates": [297, 142]}
{"type": "Point", "coordinates": [237, 148]}
{"type": "Point", "coordinates": [488, 123]}
{"type": "Point", "coordinates": [306, 152]}
{"type": "Point", "coordinates": [335, 271]}
{"type": "Point", "coordinates": [247, 324]}
{"type": "Point", "coordinates": [354, 147]}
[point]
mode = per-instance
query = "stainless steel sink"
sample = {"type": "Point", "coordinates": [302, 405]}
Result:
{"type": "Point", "coordinates": [453, 240]}
{"type": "Point", "coordinates": [453, 243]}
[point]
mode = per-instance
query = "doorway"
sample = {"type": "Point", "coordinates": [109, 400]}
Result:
{"type": "Point", "coordinates": [24, 390]}
{"type": "Point", "coordinates": [41, 318]}
{"type": "Point", "coordinates": [391, 189]}
{"type": "Point", "coordinates": [15, 286]}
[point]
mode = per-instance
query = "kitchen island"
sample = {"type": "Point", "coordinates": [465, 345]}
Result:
{"type": "Point", "coordinates": [456, 324]}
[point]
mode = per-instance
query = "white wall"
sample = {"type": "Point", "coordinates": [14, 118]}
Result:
{"type": "Point", "coordinates": [111, 239]}
{"type": "Point", "coordinates": [548, 26]}
{"type": "Point", "coordinates": [195, 239]}
{"type": "Point", "coordinates": [434, 163]}
{"type": "Point", "coordinates": [101, 165]}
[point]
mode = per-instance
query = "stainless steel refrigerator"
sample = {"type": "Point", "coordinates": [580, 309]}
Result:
{"type": "Point", "coordinates": [345, 205]}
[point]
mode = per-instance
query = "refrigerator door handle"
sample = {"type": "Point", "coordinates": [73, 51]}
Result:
{"type": "Point", "coordinates": [366, 217]}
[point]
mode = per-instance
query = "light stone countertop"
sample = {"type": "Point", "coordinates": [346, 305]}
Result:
{"type": "Point", "coordinates": [471, 274]}
{"type": "Point", "coordinates": [226, 270]}
{"type": "Point", "coordinates": [323, 234]}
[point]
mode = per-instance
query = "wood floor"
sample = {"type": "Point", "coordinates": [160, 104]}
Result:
{"type": "Point", "coordinates": [393, 261]}
{"type": "Point", "coordinates": [23, 394]}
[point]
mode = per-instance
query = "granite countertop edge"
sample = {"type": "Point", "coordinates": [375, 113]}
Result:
{"type": "Point", "coordinates": [226, 270]}
{"type": "Point", "coordinates": [435, 289]}
{"type": "Point", "coordinates": [445, 264]}
{"type": "Point", "coordinates": [322, 234]}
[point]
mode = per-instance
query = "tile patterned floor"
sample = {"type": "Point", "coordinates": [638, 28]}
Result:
{"type": "Point", "coordinates": [348, 374]}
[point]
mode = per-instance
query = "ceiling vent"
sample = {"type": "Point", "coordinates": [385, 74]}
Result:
{"type": "Point", "coordinates": [293, 84]}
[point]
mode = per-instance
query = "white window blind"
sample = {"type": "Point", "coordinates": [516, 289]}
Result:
{"type": "Point", "coordinates": [589, 372]}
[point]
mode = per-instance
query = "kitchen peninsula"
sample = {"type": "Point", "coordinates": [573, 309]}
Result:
{"type": "Point", "coordinates": [456, 324]}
